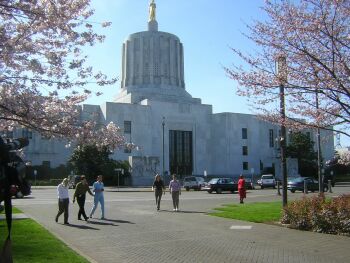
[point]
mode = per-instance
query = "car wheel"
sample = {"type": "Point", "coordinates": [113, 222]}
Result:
{"type": "Point", "coordinates": [187, 188]}
{"type": "Point", "coordinates": [218, 191]}
{"type": "Point", "coordinates": [262, 187]}
{"type": "Point", "coordinates": [292, 191]}
{"type": "Point", "coordinates": [209, 191]}
{"type": "Point", "coordinates": [199, 188]}
{"type": "Point", "coordinates": [325, 188]}
{"type": "Point", "coordinates": [19, 195]}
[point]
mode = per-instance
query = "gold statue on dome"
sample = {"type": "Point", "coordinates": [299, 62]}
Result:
{"type": "Point", "coordinates": [152, 11]}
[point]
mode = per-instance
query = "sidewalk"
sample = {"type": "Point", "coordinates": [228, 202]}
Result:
{"type": "Point", "coordinates": [14, 216]}
{"type": "Point", "coordinates": [135, 232]}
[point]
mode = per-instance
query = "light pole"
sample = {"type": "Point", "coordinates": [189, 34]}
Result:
{"type": "Point", "coordinates": [281, 72]}
{"type": "Point", "coordinates": [163, 124]}
{"type": "Point", "coordinates": [320, 181]}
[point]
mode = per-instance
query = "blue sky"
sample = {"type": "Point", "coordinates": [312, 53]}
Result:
{"type": "Point", "coordinates": [207, 30]}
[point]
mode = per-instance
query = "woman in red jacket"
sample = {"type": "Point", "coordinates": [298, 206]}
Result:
{"type": "Point", "coordinates": [241, 189]}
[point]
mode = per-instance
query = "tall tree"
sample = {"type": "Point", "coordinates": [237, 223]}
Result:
{"type": "Point", "coordinates": [314, 35]}
{"type": "Point", "coordinates": [302, 148]}
{"type": "Point", "coordinates": [44, 74]}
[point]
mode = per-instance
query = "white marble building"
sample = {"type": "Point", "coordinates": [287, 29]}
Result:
{"type": "Point", "coordinates": [153, 105]}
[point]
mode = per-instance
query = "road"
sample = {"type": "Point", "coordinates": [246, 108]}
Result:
{"type": "Point", "coordinates": [135, 232]}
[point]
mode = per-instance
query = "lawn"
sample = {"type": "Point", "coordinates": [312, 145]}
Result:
{"type": "Point", "coordinates": [252, 212]}
{"type": "Point", "coordinates": [31, 243]}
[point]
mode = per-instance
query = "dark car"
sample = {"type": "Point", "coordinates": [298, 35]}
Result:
{"type": "Point", "coordinates": [249, 185]}
{"type": "Point", "coordinates": [24, 190]}
{"type": "Point", "coordinates": [220, 184]}
{"type": "Point", "coordinates": [297, 184]}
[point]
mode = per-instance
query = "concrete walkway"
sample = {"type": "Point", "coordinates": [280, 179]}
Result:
{"type": "Point", "coordinates": [135, 232]}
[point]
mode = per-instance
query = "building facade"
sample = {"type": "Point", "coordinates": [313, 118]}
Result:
{"type": "Point", "coordinates": [174, 132]}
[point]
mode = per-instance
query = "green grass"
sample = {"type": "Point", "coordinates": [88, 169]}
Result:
{"type": "Point", "coordinates": [31, 243]}
{"type": "Point", "coordinates": [16, 210]}
{"type": "Point", "coordinates": [252, 212]}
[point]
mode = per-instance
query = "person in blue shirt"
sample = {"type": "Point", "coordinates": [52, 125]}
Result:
{"type": "Point", "coordinates": [98, 188]}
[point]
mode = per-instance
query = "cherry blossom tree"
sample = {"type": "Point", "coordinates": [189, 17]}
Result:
{"type": "Point", "coordinates": [314, 36]}
{"type": "Point", "coordinates": [44, 73]}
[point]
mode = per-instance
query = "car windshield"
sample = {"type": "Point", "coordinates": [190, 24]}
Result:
{"type": "Point", "coordinates": [298, 180]}
{"type": "Point", "coordinates": [189, 179]}
{"type": "Point", "coordinates": [200, 179]}
{"type": "Point", "coordinates": [267, 177]}
{"type": "Point", "coordinates": [213, 181]}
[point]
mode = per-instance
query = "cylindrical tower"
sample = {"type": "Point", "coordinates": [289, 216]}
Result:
{"type": "Point", "coordinates": [152, 58]}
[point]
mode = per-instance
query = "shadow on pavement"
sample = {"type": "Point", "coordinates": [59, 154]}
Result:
{"type": "Point", "coordinates": [82, 227]}
{"type": "Point", "coordinates": [182, 211]}
{"type": "Point", "coordinates": [118, 221]}
{"type": "Point", "coordinates": [101, 223]}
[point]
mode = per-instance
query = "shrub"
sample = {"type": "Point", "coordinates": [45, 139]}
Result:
{"type": "Point", "coordinates": [319, 214]}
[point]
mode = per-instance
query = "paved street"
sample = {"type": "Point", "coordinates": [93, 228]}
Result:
{"type": "Point", "coordinates": [135, 232]}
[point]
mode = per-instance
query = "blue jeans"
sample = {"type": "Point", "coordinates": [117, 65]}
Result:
{"type": "Point", "coordinates": [98, 198]}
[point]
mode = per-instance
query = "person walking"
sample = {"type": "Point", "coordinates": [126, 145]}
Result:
{"type": "Point", "coordinates": [159, 189]}
{"type": "Point", "coordinates": [80, 194]}
{"type": "Point", "coordinates": [63, 200]}
{"type": "Point", "coordinates": [98, 188]}
{"type": "Point", "coordinates": [175, 190]}
{"type": "Point", "coordinates": [241, 189]}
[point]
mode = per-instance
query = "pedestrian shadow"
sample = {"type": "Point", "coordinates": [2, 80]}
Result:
{"type": "Point", "coordinates": [101, 223]}
{"type": "Point", "coordinates": [82, 227]}
{"type": "Point", "coordinates": [118, 221]}
{"type": "Point", "coordinates": [182, 211]}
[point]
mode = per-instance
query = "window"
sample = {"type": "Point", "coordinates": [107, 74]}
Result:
{"type": "Point", "coordinates": [7, 134]}
{"type": "Point", "coordinates": [26, 133]}
{"type": "Point", "coordinates": [245, 166]}
{"type": "Point", "coordinates": [245, 150]}
{"type": "Point", "coordinates": [244, 133]}
{"type": "Point", "coordinates": [271, 138]}
{"type": "Point", "coordinates": [127, 150]}
{"type": "Point", "coordinates": [308, 134]}
{"type": "Point", "coordinates": [127, 127]}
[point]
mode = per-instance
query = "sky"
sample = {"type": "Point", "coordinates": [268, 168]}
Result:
{"type": "Point", "coordinates": [207, 30]}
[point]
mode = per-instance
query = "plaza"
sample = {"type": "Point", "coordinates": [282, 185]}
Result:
{"type": "Point", "coordinates": [135, 232]}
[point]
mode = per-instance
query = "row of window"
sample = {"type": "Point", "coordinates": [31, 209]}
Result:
{"type": "Point", "coordinates": [26, 133]}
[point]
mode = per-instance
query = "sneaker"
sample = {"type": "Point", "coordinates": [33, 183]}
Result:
{"type": "Point", "coordinates": [56, 219]}
{"type": "Point", "coordinates": [174, 209]}
{"type": "Point", "coordinates": [66, 223]}
{"type": "Point", "coordinates": [102, 218]}
{"type": "Point", "coordinates": [79, 218]}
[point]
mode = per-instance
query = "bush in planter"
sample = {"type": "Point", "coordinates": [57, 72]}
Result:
{"type": "Point", "coordinates": [319, 215]}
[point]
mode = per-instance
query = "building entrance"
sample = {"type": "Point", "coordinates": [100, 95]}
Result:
{"type": "Point", "coordinates": [180, 153]}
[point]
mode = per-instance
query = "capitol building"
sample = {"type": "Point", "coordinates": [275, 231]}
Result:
{"type": "Point", "coordinates": [174, 132]}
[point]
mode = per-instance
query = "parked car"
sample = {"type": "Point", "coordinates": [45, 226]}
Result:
{"type": "Point", "coordinates": [25, 190]}
{"type": "Point", "coordinates": [267, 180]}
{"type": "Point", "coordinates": [73, 181]}
{"type": "Point", "coordinates": [297, 184]}
{"type": "Point", "coordinates": [193, 182]}
{"type": "Point", "coordinates": [220, 184]}
{"type": "Point", "coordinates": [249, 184]}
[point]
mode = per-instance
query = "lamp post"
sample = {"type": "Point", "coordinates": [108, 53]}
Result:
{"type": "Point", "coordinates": [319, 168]}
{"type": "Point", "coordinates": [281, 72]}
{"type": "Point", "coordinates": [163, 124]}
